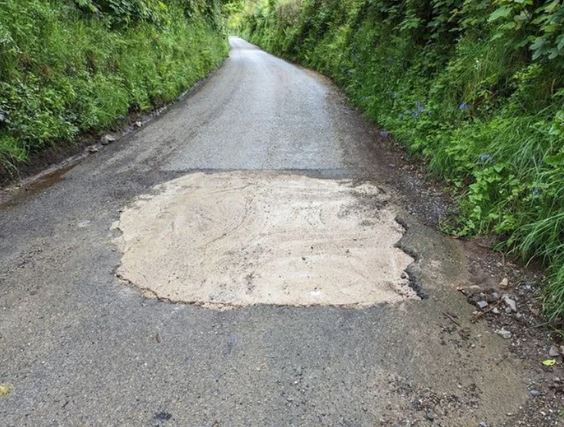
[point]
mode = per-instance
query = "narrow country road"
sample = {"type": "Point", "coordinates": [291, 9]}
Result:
{"type": "Point", "coordinates": [240, 261]}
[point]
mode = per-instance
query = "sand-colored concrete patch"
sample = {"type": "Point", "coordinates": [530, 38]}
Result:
{"type": "Point", "coordinates": [243, 238]}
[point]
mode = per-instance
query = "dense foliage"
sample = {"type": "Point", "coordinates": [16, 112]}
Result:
{"type": "Point", "coordinates": [472, 86]}
{"type": "Point", "coordinates": [68, 66]}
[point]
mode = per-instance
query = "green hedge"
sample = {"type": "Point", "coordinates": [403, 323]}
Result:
{"type": "Point", "coordinates": [473, 87]}
{"type": "Point", "coordinates": [72, 66]}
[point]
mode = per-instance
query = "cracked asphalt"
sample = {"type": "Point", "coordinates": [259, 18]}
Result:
{"type": "Point", "coordinates": [78, 347]}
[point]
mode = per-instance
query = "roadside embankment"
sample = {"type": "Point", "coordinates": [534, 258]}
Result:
{"type": "Point", "coordinates": [69, 67]}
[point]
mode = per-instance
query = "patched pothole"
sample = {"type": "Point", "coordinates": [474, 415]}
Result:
{"type": "Point", "coordinates": [245, 238]}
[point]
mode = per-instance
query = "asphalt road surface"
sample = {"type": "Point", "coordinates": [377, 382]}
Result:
{"type": "Point", "coordinates": [81, 346]}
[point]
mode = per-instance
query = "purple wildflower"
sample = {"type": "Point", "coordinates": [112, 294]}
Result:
{"type": "Point", "coordinates": [485, 158]}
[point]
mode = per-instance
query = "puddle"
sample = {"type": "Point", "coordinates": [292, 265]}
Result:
{"type": "Point", "coordinates": [244, 238]}
{"type": "Point", "coordinates": [34, 185]}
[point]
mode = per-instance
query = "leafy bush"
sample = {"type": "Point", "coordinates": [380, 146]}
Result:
{"type": "Point", "coordinates": [71, 66]}
{"type": "Point", "coordinates": [473, 87]}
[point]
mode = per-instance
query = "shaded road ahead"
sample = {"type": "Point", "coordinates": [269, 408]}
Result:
{"type": "Point", "coordinates": [81, 348]}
